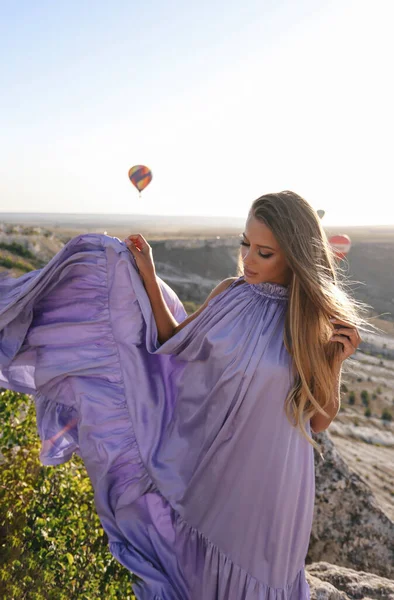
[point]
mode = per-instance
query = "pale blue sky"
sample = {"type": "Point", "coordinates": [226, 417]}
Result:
{"type": "Point", "coordinates": [223, 100]}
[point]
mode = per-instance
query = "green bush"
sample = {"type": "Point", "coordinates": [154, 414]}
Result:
{"type": "Point", "coordinates": [365, 397]}
{"type": "Point", "coordinates": [386, 415]}
{"type": "Point", "coordinates": [9, 263]}
{"type": "Point", "coordinates": [367, 412]}
{"type": "Point", "coordinates": [18, 249]}
{"type": "Point", "coordinates": [52, 546]}
{"type": "Point", "coordinates": [352, 397]}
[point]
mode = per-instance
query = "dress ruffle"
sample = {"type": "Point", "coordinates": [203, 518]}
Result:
{"type": "Point", "coordinates": [80, 336]}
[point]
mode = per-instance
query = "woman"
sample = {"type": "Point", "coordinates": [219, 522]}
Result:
{"type": "Point", "coordinates": [196, 432]}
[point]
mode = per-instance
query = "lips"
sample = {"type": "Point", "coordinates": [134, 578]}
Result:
{"type": "Point", "coordinates": [249, 273]}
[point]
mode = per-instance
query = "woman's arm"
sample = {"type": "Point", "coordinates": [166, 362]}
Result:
{"type": "Point", "coordinates": [319, 422]}
{"type": "Point", "coordinates": [349, 338]}
{"type": "Point", "coordinates": [166, 325]}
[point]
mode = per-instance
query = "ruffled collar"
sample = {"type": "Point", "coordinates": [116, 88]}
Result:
{"type": "Point", "coordinates": [271, 290]}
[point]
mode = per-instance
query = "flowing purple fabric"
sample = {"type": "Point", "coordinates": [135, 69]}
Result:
{"type": "Point", "coordinates": [205, 489]}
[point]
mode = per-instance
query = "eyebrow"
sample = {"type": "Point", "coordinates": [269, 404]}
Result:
{"type": "Point", "coordinates": [258, 245]}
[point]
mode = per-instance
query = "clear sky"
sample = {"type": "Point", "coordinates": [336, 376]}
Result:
{"type": "Point", "coordinates": [223, 100]}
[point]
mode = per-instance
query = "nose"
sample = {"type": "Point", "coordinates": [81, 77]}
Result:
{"type": "Point", "coordinates": [247, 257]}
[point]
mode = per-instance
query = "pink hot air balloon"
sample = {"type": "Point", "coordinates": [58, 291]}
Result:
{"type": "Point", "coordinates": [340, 245]}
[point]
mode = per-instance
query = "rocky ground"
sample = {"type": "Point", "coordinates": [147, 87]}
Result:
{"type": "Point", "coordinates": [368, 449]}
{"type": "Point", "coordinates": [351, 552]}
{"type": "Point", "coordinates": [331, 582]}
{"type": "Point", "coordinates": [351, 527]}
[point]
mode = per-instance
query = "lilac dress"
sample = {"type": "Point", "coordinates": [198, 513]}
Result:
{"type": "Point", "coordinates": [204, 488]}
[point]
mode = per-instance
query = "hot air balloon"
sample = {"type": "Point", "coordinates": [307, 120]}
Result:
{"type": "Point", "coordinates": [340, 245]}
{"type": "Point", "coordinates": [140, 176]}
{"type": "Point", "coordinates": [321, 213]}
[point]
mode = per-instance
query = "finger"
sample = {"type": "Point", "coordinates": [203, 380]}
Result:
{"type": "Point", "coordinates": [132, 247]}
{"type": "Point", "coordinates": [132, 237]}
{"type": "Point", "coordinates": [138, 236]}
{"type": "Point", "coordinates": [143, 245]}
{"type": "Point", "coordinates": [343, 340]}
{"type": "Point", "coordinates": [342, 337]}
{"type": "Point", "coordinates": [351, 334]}
{"type": "Point", "coordinates": [132, 242]}
{"type": "Point", "coordinates": [346, 331]}
{"type": "Point", "coordinates": [139, 241]}
{"type": "Point", "coordinates": [339, 322]}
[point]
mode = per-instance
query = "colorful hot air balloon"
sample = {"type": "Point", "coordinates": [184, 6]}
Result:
{"type": "Point", "coordinates": [321, 213]}
{"type": "Point", "coordinates": [340, 245]}
{"type": "Point", "coordinates": [140, 176]}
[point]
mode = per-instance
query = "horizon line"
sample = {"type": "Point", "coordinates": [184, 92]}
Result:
{"type": "Point", "coordinates": [151, 216]}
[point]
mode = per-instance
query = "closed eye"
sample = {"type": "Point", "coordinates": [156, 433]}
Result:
{"type": "Point", "coordinates": [260, 253]}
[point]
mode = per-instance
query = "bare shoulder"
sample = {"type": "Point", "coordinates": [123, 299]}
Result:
{"type": "Point", "coordinates": [223, 285]}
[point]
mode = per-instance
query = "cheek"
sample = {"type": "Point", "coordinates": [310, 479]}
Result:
{"type": "Point", "coordinates": [280, 266]}
{"type": "Point", "coordinates": [270, 266]}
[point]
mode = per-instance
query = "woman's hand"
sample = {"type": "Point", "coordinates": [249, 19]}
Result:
{"type": "Point", "coordinates": [142, 253]}
{"type": "Point", "coordinates": [347, 336]}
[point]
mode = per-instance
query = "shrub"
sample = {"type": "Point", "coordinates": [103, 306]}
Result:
{"type": "Point", "coordinates": [365, 397]}
{"type": "Point", "coordinates": [344, 388]}
{"type": "Point", "coordinates": [18, 249]}
{"type": "Point", "coordinates": [386, 415]}
{"type": "Point", "coordinates": [352, 397]}
{"type": "Point", "coordinates": [367, 412]}
{"type": "Point", "coordinates": [52, 546]}
{"type": "Point", "coordinates": [9, 263]}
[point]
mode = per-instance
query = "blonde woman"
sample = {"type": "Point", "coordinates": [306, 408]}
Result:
{"type": "Point", "coordinates": [196, 431]}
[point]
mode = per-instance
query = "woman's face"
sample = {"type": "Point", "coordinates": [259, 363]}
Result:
{"type": "Point", "coordinates": [262, 258]}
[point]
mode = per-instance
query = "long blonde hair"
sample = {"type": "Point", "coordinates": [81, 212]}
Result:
{"type": "Point", "coordinates": [315, 295]}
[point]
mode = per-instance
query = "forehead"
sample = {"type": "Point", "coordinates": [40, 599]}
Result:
{"type": "Point", "coordinates": [259, 233]}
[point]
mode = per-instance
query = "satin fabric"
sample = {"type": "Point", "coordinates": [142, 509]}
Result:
{"type": "Point", "coordinates": [205, 489]}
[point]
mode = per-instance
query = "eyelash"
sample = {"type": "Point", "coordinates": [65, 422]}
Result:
{"type": "Point", "coordinates": [262, 255]}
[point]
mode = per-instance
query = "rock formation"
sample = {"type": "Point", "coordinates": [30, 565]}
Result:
{"type": "Point", "coordinates": [330, 582]}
